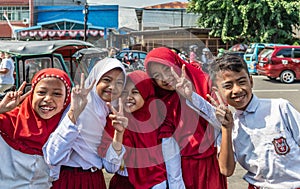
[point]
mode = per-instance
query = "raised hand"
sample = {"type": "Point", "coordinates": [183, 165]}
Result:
{"type": "Point", "coordinates": [119, 121]}
{"type": "Point", "coordinates": [223, 113]}
{"type": "Point", "coordinates": [79, 99]}
{"type": "Point", "coordinates": [13, 98]}
{"type": "Point", "coordinates": [183, 85]}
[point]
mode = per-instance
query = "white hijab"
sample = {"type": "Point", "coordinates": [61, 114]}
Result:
{"type": "Point", "coordinates": [92, 120]}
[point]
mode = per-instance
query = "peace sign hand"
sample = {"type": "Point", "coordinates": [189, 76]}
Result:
{"type": "Point", "coordinates": [119, 121]}
{"type": "Point", "coordinates": [79, 99]}
{"type": "Point", "coordinates": [223, 113]}
{"type": "Point", "coordinates": [13, 98]}
{"type": "Point", "coordinates": [183, 85]}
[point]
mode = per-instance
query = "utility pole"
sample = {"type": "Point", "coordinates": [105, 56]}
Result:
{"type": "Point", "coordinates": [85, 12]}
{"type": "Point", "coordinates": [139, 15]}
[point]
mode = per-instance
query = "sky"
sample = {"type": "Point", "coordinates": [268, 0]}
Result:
{"type": "Point", "coordinates": [131, 3]}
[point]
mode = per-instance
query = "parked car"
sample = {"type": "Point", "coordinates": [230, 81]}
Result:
{"type": "Point", "coordinates": [32, 56]}
{"type": "Point", "coordinates": [280, 61]}
{"type": "Point", "coordinates": [132, 59]}
{"type": "Point", "coordinates": [252, 52]}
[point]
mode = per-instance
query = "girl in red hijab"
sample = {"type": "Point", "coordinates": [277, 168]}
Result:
{"type": "Point", "coordinates": [182, 125]}
{"type": "Point", "coordinates": [26, 126]}
{"type": "Point", "coordinates": [143, 160]}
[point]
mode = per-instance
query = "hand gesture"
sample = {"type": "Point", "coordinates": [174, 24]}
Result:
{"type": "Point", "coordinates": [13, 98]}
{"type": "Point", "coordinates": [223, 114]}
{"type": "Point", "coordinates": [119, 121]}
{"type": "Point", "coordinates": [79, 99]}
{"type": "Point", "coordinates": [183, 85]}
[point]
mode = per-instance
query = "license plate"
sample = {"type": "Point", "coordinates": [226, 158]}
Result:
{"type": "Point", "coordinates": [247, 58]}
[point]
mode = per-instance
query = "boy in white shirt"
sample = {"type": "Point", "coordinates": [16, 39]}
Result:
{"type": "Point", "coordinates": [265, 132]}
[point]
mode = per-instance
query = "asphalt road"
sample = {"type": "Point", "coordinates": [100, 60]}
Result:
{"type": "Point", "coordinates": [263, 88]}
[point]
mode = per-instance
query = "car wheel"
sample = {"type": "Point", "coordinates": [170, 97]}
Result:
{"type": "Point", "coordinates": [287, 76]}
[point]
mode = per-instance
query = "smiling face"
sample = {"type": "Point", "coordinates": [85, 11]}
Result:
{"type": "Point", "coordinates": [48, 97]}
{"type": "Point", "coordinates": [132, 98]}
{"type": "Point", "coordinates": [235, 87]}
{"type": "Point", "coordinates": [162, 75]}
{"type": "Point", "coordinates": [110, 85]}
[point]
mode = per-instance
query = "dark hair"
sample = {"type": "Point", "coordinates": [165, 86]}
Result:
{"type": "Point", "coordinates": [227, 63]}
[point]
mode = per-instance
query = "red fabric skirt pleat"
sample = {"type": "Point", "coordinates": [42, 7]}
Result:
{"type": "Point", "coordinates": [202, 173]}
{"type": "Point", "coordinates": [80, 180]}
{"type": "Point", "coordinates": [120, 182]}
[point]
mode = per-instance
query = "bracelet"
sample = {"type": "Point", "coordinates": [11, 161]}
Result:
{"type": "Point", "coordinates": [117, 150]}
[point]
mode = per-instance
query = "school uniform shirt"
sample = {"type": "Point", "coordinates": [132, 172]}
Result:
{"type": "Point", "coordinates": [75, 145]}
{"type": "Point", "coordinates": [266, 142]}
{"type": "Point", "coordinates": [73, 151]}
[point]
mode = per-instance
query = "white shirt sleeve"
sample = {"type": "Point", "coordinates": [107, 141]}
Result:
{"type": "Point", "coordinates": [59, 144]}
{"type": "Point", "coordinates": [204, 109]}
{"type": "Point", "coordinates": [172, 158]}
{"type": "Point", "coordinates": [293, 121]}
{"type": "Point", "coordinates": [162, 185]}
{"type": "Point", "coordinates": [112, 161]}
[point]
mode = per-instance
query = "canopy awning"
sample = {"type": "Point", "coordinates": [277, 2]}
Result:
{"type": "Point", "coordinates": [60, 28]}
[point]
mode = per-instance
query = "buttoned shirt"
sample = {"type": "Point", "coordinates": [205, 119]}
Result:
{"type": "Point", "coordinates": [266, 141]}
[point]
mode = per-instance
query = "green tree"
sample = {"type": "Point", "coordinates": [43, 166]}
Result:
{"type": "Point", "coordinates": [248, 20]}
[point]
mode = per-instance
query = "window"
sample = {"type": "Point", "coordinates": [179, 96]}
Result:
{"type": "Point", "coordinates": [285, 53]}
{"type": "Point", "coordinates": [296, 53]}
{"type": "Point", "coordinates": [14, 13]}
{"type": "Point", "coordinates": [143, 55]}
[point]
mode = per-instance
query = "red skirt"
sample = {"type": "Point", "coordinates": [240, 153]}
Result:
{"type": "Point", "coordinates": [76, 178]}
{"type": "Point", "coordinates": [202, 173]}
{"type": "Point", "coordinates": [120, 182]}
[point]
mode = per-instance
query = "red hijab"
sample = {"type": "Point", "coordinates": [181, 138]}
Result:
{"type": "Point", "coordinates": [185, 125]}
{"type": "Point", "coordinates": [22, 128]}
{"type": "Point", "coordinates": [143, 158]}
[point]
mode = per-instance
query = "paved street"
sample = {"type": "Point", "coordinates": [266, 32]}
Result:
{"type": "Point", "coordinates": [263, 88]}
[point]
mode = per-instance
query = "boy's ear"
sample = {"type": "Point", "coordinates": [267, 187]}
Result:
{"type": "Point", "coordinates": [251, 81]}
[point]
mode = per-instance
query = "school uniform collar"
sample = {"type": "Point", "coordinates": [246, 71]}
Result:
{"type": "Point", "coordinates": [251, 108]}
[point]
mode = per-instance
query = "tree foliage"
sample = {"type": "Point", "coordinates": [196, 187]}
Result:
{"type": "Point", "coordinates": [248, 20]}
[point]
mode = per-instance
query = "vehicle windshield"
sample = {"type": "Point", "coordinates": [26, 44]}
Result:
{"type": "Point", "coordinates": [250, 50]}
{"type": "Point", "coordinates": [33, 65]}
{"type": "Point", "coordinates": [266, 52]}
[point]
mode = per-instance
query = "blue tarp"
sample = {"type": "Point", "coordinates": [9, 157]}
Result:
{"type": "Point", "coordinates": [105, 16]}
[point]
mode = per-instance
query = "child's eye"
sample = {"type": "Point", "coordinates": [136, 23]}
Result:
{"type": "Point", "coordinates": [227, 86]}
{"type": "Point", "coordinates": [106, 79]}
{"type": "Point", "coordinates": [120, 82]}
{"type": "Point", "coordinates": [40, 92]}
{"type": "Point", "coordinates": [135, 92]}
{"type": "Point", "coordinates": [167, 69]}
{"type": "Point", "coordinates": [156, 76]}
{"type": "Point", "coordinates": [57, 94]}
{"type": "Point", "coordinates": [242, 82]}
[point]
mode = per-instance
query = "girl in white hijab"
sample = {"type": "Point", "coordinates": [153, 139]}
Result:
{"type": "Point", "coordinates": [71, 150]}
